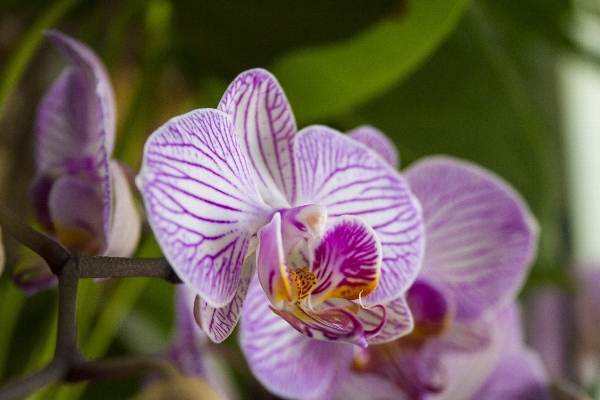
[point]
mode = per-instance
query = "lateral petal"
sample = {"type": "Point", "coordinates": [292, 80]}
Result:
{"type": "Point", "coordinates": [337, 172]}
{"type": "Point", "coordinates": [202, 201]}
{"type": "Point", "coordinates": [481, 236]}
{"type": "Point", "coordinates": [266, 127]}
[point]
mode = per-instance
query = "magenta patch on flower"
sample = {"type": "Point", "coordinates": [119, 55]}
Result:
{"type": "Point", "coordinates": [346, 261]}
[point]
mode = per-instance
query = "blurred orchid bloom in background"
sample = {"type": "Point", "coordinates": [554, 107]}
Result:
{"type": "Point", "coordinates": [80, 194]}
{"type": "Point", "coordinates": [191, 348]}
{"type": "Point", "coordinates": [548, 335]}
{"type": "Point", "coordinates": [227, 188]}
{"type": "Point", "coordinates": [481, 240]}
{"type": "Point", "coordinates": [502, 369]}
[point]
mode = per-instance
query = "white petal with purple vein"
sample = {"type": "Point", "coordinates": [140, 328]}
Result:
{"type": "Point", "coordinates": [266, 127]}
{"type": "Point", "coordinates": [481, 237]}
{"type": "Point", "coordinates": [202, 201]}
{"type": "Point", "coordinates": [349, 179]}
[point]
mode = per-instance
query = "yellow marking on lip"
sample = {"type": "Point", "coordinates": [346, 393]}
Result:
{"type": "Point", "coordinates": [304, 280]}
{"type": "Point", "coordinates": [354, 292]}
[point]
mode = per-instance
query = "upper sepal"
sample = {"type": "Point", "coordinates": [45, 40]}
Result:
{"type": "Point", "coordinates": [265, 125]}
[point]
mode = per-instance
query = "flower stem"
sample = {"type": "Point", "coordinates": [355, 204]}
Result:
{"type": "Point", "coordinates": [50, 250]}
{"type": "Point", "coordinates": [116, 267]}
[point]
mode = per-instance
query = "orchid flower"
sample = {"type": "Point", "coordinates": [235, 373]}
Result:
{"type": "Point", "coordinates": [80, 194]}
{"type": "Point", "coordinates": [481, 239]}
{"type": "Point", "coordinates": [324, 220]}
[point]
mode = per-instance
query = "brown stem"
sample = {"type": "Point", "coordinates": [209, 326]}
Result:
{"type": "Point", "coordinates": [121, 368]}
{"type": "Point", "coordinates": [54, 372]}
{"type": "Point", "coordinates": [113, 267]}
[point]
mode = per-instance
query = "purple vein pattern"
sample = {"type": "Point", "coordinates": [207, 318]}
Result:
{"type": "Point", "coordinates": [350, 179]}
{"type": "Point", "coordinates": [202, 201]}
{"type": "Point", "coordinates": [346, 261]}
{"type": "Point", "coordinates": [266, 127]}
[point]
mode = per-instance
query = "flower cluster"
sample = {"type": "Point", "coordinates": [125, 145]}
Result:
{"type": "Point", "coordinates": [336, 237]}
{"type": "Point", "coordinates": [312, 237]}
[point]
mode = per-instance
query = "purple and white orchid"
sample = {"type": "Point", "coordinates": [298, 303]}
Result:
{"type": "Point", "coordinates": [324, 219]}
{"type": "Point", "coordinates": [481, 239]}
{"type": "Point", "coordinates": [80, 194]}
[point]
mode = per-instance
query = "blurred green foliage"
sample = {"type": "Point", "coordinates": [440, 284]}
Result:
{"type": "Point", "coordinates": [475, 80]}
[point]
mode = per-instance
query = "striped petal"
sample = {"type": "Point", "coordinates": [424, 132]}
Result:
{"type": "Point", "coordinates": [266, 127]}
{"type": "Point", "coordinates": [202, 201]}
{"type": "Point", "coordinates": [481, 237]}
{"type": "Point", "coordinates": [218, 323]}
{"type": "Point", "coordinates": [376, 140]}
{"type": "Point", "coordinates": [359, 386]}
{"type": "Point", "coordinates": [349, 179]}
{"type": "Point", "coordinates": [286, 362]}
{"type": "Point", "coordinates": [347, 261]}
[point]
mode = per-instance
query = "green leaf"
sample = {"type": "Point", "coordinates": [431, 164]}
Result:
{"type": "Point", "coordinates": [330, 80]}
{"type": "Point", "coordinates": [489, 101]}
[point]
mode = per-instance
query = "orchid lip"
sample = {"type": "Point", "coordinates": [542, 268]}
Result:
{"type": "Point", "coordinates": [342, 262]}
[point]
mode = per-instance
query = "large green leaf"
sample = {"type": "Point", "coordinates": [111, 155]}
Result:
{"type": "Point", "coordinates": [490, 101]}
{"type": "Point", "coordinates": [332, 79]}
